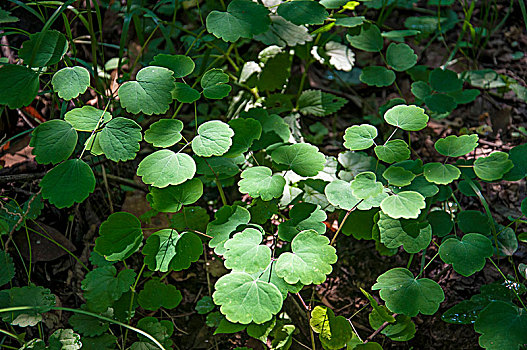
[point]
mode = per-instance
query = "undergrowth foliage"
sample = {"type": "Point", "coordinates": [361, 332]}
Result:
{"type": "Point", "coordinates": [249, 142]}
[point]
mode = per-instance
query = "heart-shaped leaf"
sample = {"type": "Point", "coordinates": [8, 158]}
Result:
{"type": "Point", "coordinates": [87, 118]}
{"type": "Point", "coordinates": [185, 94]}
{"type": "Point", "coordinates": [164, 167]}
{"type": "Point", "coordinates": [303, 12]}
{"type": "Point", "coordinates": [119, 139]}
{"type": "Point", "coordinates": [467, 255]}
{"type": "Point", "coordinates": [156, 294]}
{"type": "Point", "coordinates": [164, 133]}
{"type": "Point", "coordinates": [413, 235]}
{"type": "Point", "coordinates": [245, 253]}
{"type": "Point", "coordinates": [457, 146]}
{"type": "Point", "coordinates": [441, 222]}
{"type": "Point", "coordinates": [171, 199]}
{"type": "Point", "coordinates": [260, 182]}
{"type": "Point", "coordinates": [393, 151]}
{"type": "Point", "coordinates": [227, 219]}
{"type": "Point", "coordinates": [365, 186]}
{"type": "Point", "coordinates": [303, 158]}
{"type": "Point", "coordinates": [493, 166]}
{"type": "Point", "coordinates": [358, 137]}
{"type": "Point", "coordinates": [70, 82]}
{"type": "Point", "coordinates": [366, 37]}
{"type": "Point", "coordinates": [102, 286]}
{"type": "Point", "coordinates": [53, 141]}
{"type": "Point", "coordinates": [398, 176]}
{"type": "Point", "coordinates": [406, 204]}
{"type": "Point", "coordinates": [377, 76]}
{"type": "Point", "coordinates": [409, 118]}
{"type": "Point", "coordinates": [441, 174]}
{"type": "Point", "coordinates": [180, 65]}
{"type": "Point", "coordinates": [19, 85]}
{"type": "Point", "coordinates": [43, 48]}
{"type": "Point", "coordinates": [440, 103]}
{"type": "Point", "coordinates": [119, 236]}
{"type": "Point", "coordinates": [214, 139]}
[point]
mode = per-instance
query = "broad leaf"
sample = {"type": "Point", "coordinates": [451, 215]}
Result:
{"type": "Point", "coordinates": [440, 103]}
{"type": "Point", "coordinates": [214, 139]}
{"type": "Point", "coordinates": [180, 65]}
{"type": "Point", "coordinates": [185, 94]}
{"type": "Point", "coordinates": [319, 103]}
{"type": "Point", "coordinates": [119, 139]}
{"type": "Point", "coordinates": [53, 141]}
{"type": "Point", "coordinates": [406, 204]}
{"type": "Point", "coordinates": [467, 255]}
{"type": "Point", "coordinates": [441, 222]}
{"type": "Point", "coordinates": [31, 295]}
{"type": "Point", "coordinates": [365, 186]}
{"type": "Point", "coordinates": [260, 182]}
{"type": "Point", "coordinates": [339, 193]}
{"type": "Point", "coordinates": [227, 219]}
{"type": "Point", "coordinates": [190, 218]}
{"type": "Point", "coordinates": [358, 137]}
{"type": "Point", "coordinates": [334, 332]}
{"type": "Point", "coordinates": [310, 260]}
{"type": "Point", "coordinates": [64, 339]}
{"type": "Point", "coordinates": [413, 235]}
{"type": "Point", "coordinates": [303, 216]}
{"type": "Point", "coordinates": [493, 166]}
{"type": "Point", "coordinates": [214, 81]}
{"type": "Point", "coordinates": [409, 118]}
{"type": "Point", "coordinates": [7, 268]}
{"type": "Point", "coordinates": [119, 236]}
{"type": "Point", "coordinates": [70, 82]}
{"type": "Point", "coordinates": [340, 56]}
{"type": "Point", "coordinates": [398, 176]}
{"type": "Point", "coordinates": [246, 130]}
{"type": "Point", "coordinates": [164, 133]}
{"type": "Point", "coordinates": [303, 158]}
{"type": "Point", "coordinates": [87, 118]}
{"type": "Point", "coordinates": [150, 93]}
{"type": "Point", "coordinates": [67, 183]}
{"type": "Point", "coordinates": [393, 151]}
{"type": "Point", "coordinates": [284, 33]}
{"type": "Point", "coordinates": [400, 57]}
{"type": "Point", "coordinates": [246, 299]}
{"type": "Point", "coordinates": [156, 294]}
{"type": "Point", "coordinates": [457, 146]}
{"type": "Point", "coordinates": [441, 174]}
{"type": "Point", "coordinates": [88, 326]}
{"type": "Point", "coordinates": [407, 295]}
{"type": "Point", "coordinates": [377, 76]}
{"type": "Point", "coordinates": [43, 48]}
{"type": "Point", "coordinates": [303, 12]}
{"type": "Point", "coordinates": [245, 253]}
{"type": "Point", "coordinates": [164, 167]}
{"type": "Point", "coordinates": [19, 86]}
{"type": "Point", "coordinates": [172, 198]}
{"type": "Point", "coordinates": [102, 286]}
{"type": "Point", "coordinates": [445, 80]}
{"type": "Point", "coordinates": [367, 38]}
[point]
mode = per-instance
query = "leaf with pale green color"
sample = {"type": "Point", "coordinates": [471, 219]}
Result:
{"type": "Point", "coordinates": [334, 331]}
{"type": "Point", "coordinates": [409, 118]}
{"type": "Point", "coordinates": [214, 83]}
{"type": "Point", "coordinates": [19, 85]}
{"type": "Point", "coordinates": [227, 219]}
{"type": "Point", "coordinates": [43, 48]}
{"type": "Point", "coordinates": [319, 103]}
{"type": "Point", "coordinates": [407, 295]}
{"type": "Point", "coordinates": [269, 275]}
{"type": "Point", "coordinates": [214, 139]}
{"type": "Point", "coordinates": [245, 253]}
{"type": "Point", "coordinates": [350, 22]}
{"type": "Point", "coordinates": [260, 182]}
{"type": "Point", "coordinates": [102, 286]}
{"type": "Point", "coordinates": [445, 80]}
{"type": "Point", "coordinates": [92, 145]}
{"type": "Point", "coordinates": [119, 236]}
{"type": "Point", "coordinates": [171, 199]}
{"type": "Point", "coordinates": [243, 19]}
{"type": "Point", "coordinates": [457, 146]}
{"type": "Point", "coordinates": [167, 250]}
{"type": "Point", "coordinates": [7, 268]}
{"type": "Point", "coordinates": [377, 76]}
{"type": "Point", "coordinates": [403, 329]}
{"type": "Point", "coordinates": [393, 151]}
{"type": "Point", "coordinates": [53, 141]}
{"type": "Point", "coordinates": [367, 38]}
{"type": "Point", "coordinates": [303, 12]}
{"type": "Point", "coordinates": [185, 94]}
{"type": "Point", "coordinates": [245, 299]}
{"type": "Point", "coordinates": [164, 133]}
{"type": "Point", "coordinates": [493, 166]}
{"type": "Point", "coordinates": [70, 82]}
{"type": "Point", "coordinates": [400, 57]}
{"type": "Point", "coordinates": [310, 260]}
{"type": "Point", "coordinates": [246, 130]}
{"type": "Point", "coordinates": [441, 174]}
{"type": "Point", "coordinates": [150, 93]}
{"type": "Point", "coordinates": [284, 33]}
{"type": "Point", "coordinates": [339, 194]}
{"type": "Point", "coordinates": [502, 325]}
{"type": "Point", "coordinates": [67, 183]}
{"type": "Point", "coordinates": [180, 65]}
{"type": "Point", "coordinates": [398, 176]}
{"type": "Point", "coordinates": [413, 235]}
{"type": "Point", "coordinates": [340, 56]}
{"type": "Point", "coordinates": [156, 294]}
{"type": "Point", "coordinates": [165, 167]}
{"type": "Point", "coordinates": [507, 243]}
{"type": "Point", "coordinates": [87, 118]}
{"type": "Point", "coordinates": [467, 255]}
{"type": "Point", "coordinates": [64, 339]}
{"type": "Point", "coordinates": [358, 137]}
{"type": "Point", "coordinates": [406, 204]}
{"type": "Point", "coordinates": [303, 216]}
{"type": "Point", "coordinates": [303, 158]}
{"type": "Point", "coordinates": [365, 186]}
{"type": "Point", "coordinates": [119, 139]}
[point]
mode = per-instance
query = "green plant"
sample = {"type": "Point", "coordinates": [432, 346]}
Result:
{"type": "Point", "coordinates": [242, 133]}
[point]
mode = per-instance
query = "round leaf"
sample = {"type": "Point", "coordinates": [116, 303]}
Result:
{"type": "Point", "coordinates": [457, 146]}
{"type": "Point", "coordinates": [227, 219]}
{"type": "Point", "coordinates": [400, 57]}
{"type": "Point", "coordinates": [246, 130]}
{"type": "Point", "coordinates": [319, 103]}
{"type": "Point", "coordinates": [214, 139]}
{"type": "Point", "coordinates": [409, 118]}
{"type": "Point", "coordinates": [164, 167]}
{"type": "Point", "coordinates": [53, 141]}
{"type": "Point", "coordinates": [377, 76]}
{"type": "Point", "coordinates": [171, 199]}
{"type": "Point", "coordinates": [119, 139]}
{"type": "Point", "coordinates": [421, 89]}
{"type": "Point", "coordinates": [467, 255]}
{"type": "Point", "coordinates": [441, 222]}
{"type": "Point", "coordinates": [493, 167]}
{"type": "Point", "coordinates": [413, 235]}
{"type": "Point", "coordinates": [181, 65]}
{"type": "Point", "coordinates": [185, 94]}
{"type": "Point", "coordinates": [70, 82]}
{"type": "Point", "coordinates": [441, 174]}
{"type": "Point", "coordinates": [102, 286]}
{"type": "Point", "coordinates": [303, 158]}
{"type": "Point", "coordinates": [164, 133]}
{"type": "Point", "coordinates": [440, 103]}
{"type": "Point", "coordinates": [214, 82]}
{"type": "Point", "coordinates": [367, 38]}
{"type": "Point", "coordinates": [19, 85]}
{"type": "Point", "coordinates": [398, 176]}
{"type": "Point", "coordinates": [119, 236]}
{"type": "Point", "coordinates": [156, 294]}
{"type": "Point", "coordinates": [365, 185]}
{"type": "Point", "coordinates": [445, 80]}
{"type": "Point", "coordinates": [87, 118]}
{"type": "Point", "coordinates": [43, 48]}
{"type": "Point", "coordinates": [407, 205]}
{"type": "Point", "coordinates": [260, 182]}
{"type": "Point", "coordinates": [303, 12]}
{"type": "Point", "coordinates": [360, 137]}
{"type": "Point", "coordinates": [393, 151]}
{"type": "Point", "coordinates": [245, 253]}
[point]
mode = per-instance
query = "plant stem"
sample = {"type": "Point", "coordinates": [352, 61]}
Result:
{"type": "Point", "coordinates": [343, 221]}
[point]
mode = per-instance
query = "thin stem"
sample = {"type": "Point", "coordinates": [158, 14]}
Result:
{"type": "Point", "coordinates": [343, 221]}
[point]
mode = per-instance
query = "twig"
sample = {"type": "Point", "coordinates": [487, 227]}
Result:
{"type": "Point", "coordinates": [22, 217]}
{"type": "Point", "coordinates": [21, 177]}
{"type": "Point", "coordinates": [380, 329]}
{"type": "Point", "coordinates": [123, 181]}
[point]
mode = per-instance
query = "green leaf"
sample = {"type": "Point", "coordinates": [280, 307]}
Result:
{"type": "Point", "coordinates": [359, 224]}
{"type": "Point", "coordinates": [334, 332]}
{"type": "Point", "coordinates": [440, 103]}
{"type": "Point", "coordinates": [518, 155]}
{"type": "Point", "coordinates": [502, 326]}
{"type": "Point", "coordinates": [204, 305]}
{"type": "Point", "coordinates": [393, 151]}
{"type": "Point", "coordinates": [119, 139]}
{"type": "Point", "coordinates": [493, 166]}
{"type": "Point", "coordinates": [310, 260]}
{"type": "Point", "coordinates": [214, 81]}
{"type": "Point", "coordinates": [473, 221]}
{"type": "Point", "coordinates": [102, 342]}
{"type": "Point", "coordinates": [406, 204]}
{"type": "Point", "coordinates": [102, 286]}
{"type": "Point", "coordinates": [507, 241]}
{"type": "Point", "coordinates": [398, 176]}
{"type": "Point", "coordinates": [180, 65]}
{"type": "Point", "coordinates": [64, 339]}
{"type": "Point", "coordinates": [269, 275]}
{"type": "Point", "coordinates": [400, 57]}
{"type": "Point", "coordinates": [282, 337]}
{"type": "Point", "coordinates": [119, 236]}
{"type": "Point", "coordinates": [5, 17]}
{"type": "Point", "coordinates": [185, 94]}
{"type": "Point", "coordinates": [284, 33]}
{"type": "Point", "coordinates": [260, 331]}
{"type": "Point", "coordinates": [441, 174]}
{"type": "Point", "coordinates": [339, 193]}
{"type": "Point", "coordinates": [88, 325]}
{"type": "Point", "coordinates": [365, 186]}
{"type": "Point", "coordinates": [457, 146]}
{"type": "Point", "coordinates": [413, 235]}
{"type": "Point", "coordinates": [467, 255]}
{"type": "Point", "coordinates": [7, 268]}
{"type": "Point", "coordinates": [53, 141]}
{"type": "Point", "coordinates": [164, 167]}
{"type": "Point", "coordinates": [303, 216]}
{"type": "Point", "coordinates": [319, 103]}
{"type": "Point", "coordinates": [465, 96]}
{"type": "Point", "coordinates": [303, 12]}
{"type": "Point", "coordinates": [164, 133]}
{"type": "Point", "coordinates": [441, 222]}
{"type": "Point", "coordinates": [358, 137]}
{"type": "Point", "coordinates": [243, 19]}
{"type": "Point", "coordinates": [172, 198]}
{"type": "Point", "coordinates": [67, 183]}
{"type": "Point", "coordinates": [245, 253]}
{"type": "Point", "coordinates": [407, 295]}
{"type": "Point", "coordinates": [403, 329]}
{"type": "Point", "coordinates": [377, 76]}
{"type": "Point", "coordinates": [445, 80]}
{"type": "Point", "coordinates": [367, 38]}
{"type": "Point", "coordinates": [30, 295]}
{"type": "Point", "coordinates": [160, 330]}
{"type": "Point", "coordinates": [303, 158]}
{"type": "Point", "coordinates": [43, 48]}
{"type": "Point", "coordinates": [421, 89]}
{"type": "Point", "coordinates": [19, 86]}
{"type": "Point", "coordinates": [349, 22]}
{"type": "Point", "coordinates": [275, 72]}
{"type": "Point", "coordinates": [156, 294]}
{"type": "Point", "coordinates": [245, 299]}
{"type": "Point", "coordinates": [166, 250]}
{"type": "Point", "coordinates": [192, 218]}
{"type": "Point", "coordinates": [260, 182]}
{"type": "Point", "coordinates": [87, 118]}
{"type": "Point", "coordinates": [214, 139]}
{"type": "Point", "coordinates": [246, 130]}
{"type": "Point", "coordinates": [227, 219]}
{"type": "Point", "coordinates": [409, 118]}
{"type": "Point", "coordinates": [150, 93]}
{"type": "Point", "coordinates": [70, 82]}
